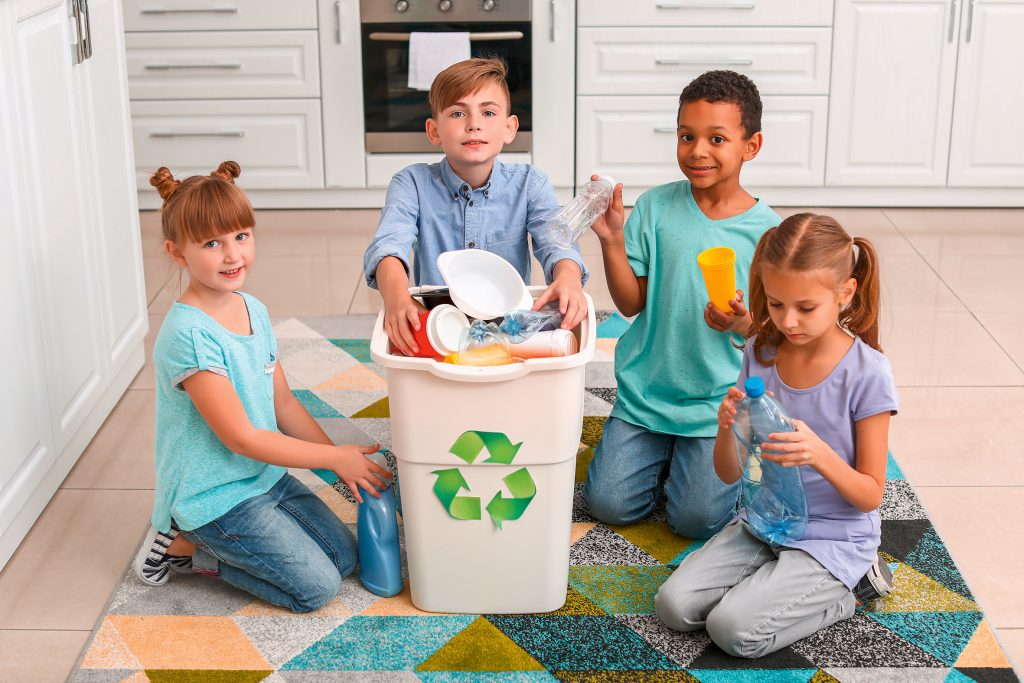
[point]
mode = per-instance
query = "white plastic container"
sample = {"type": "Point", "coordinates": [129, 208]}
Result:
{"type": "Point", "coordinates": [482, 284]}
{"type": "Point", "coordinates": [468, 565]}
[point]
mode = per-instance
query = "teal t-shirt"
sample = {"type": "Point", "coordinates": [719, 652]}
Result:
{"type": "Point", "coordinates": [198, 479]}
{"type": "Point", "coordinates": [672, 369]}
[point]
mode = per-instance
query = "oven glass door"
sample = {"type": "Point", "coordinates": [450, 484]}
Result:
{"type": "Point", "coordinates": [392, 107]}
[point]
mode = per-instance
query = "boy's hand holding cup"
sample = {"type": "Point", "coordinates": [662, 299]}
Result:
{"type": "Point", "coordinates": [726, 311]}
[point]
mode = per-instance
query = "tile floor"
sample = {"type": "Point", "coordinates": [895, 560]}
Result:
{"type": "Point", "coordinates": [952, 327]}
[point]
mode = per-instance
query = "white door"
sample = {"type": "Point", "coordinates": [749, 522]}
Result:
{"type": "Point", "coordinates": [60, 219]}
{"type": "Point", "coordinates": [890, 110]}
{"type": "Point", "coordinates": [985, 149]}
{"type": "Point", "coordinates": [24, 416]}
{"type": "Point", "coordinates": [110, 166]}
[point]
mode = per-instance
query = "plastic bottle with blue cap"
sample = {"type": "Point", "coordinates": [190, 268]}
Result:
{"type": "Point", "coordinates": [772, 495]}
{"type": "Point", "coordinates": [380, 564]}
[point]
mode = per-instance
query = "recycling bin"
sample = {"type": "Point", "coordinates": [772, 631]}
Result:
{"type": "Point", "coordinates": [486, 465]}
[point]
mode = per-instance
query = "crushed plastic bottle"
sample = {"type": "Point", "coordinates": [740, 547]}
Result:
{"type": "Point", "coordinates": [520, 325]}
{"type": "Point", "coordinates": [772, 495]}
{"type": "Point", "coordinates": [482, 344]}
{"type": "Point", "coordinates": [380, 568]}
{"type": "Point", "coordinates": [577, 216]}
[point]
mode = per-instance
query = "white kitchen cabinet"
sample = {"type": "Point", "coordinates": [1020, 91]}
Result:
{"type": "Point", "coordinates": [341, 62]}
{"type": "Point", "coordinates": [706, 13]}
{"type": "Point", "coordinates": [891, 105]}
{"type": "Point", "coordinates": [218, 15]}
{"type": "Point", "coordinates": [277, 143]}
{"type": "Point", "coordinates": [73, 302]}
{"type": "Point", "coordinates": [632, 139]}
{"type": "Point", "coordinates": [554, 65]}
{"type": "Point", "coordinates": [985, 150]}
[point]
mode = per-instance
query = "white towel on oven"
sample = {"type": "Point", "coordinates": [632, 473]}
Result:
{"type": "Point", "coordinates": [432, 53]}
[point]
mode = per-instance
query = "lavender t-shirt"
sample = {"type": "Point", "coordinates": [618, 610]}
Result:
{"type": "Point", "coordinates": [839, 536]}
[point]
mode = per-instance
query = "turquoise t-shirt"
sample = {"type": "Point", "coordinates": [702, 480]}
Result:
{"type": "Point", "coordinates": [197, 478]}
{"type": "Point", "coordinates": [672, 369]}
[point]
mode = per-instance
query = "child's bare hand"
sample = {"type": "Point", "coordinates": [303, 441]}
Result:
{"type": "Point", "coordinates": [359, 472]}
{"type": "Point", "coordinates": [727, 409]}
{"type": "Point", "coordinates": [608, 225]}
{"type": "Point", "coordinates": [571, 303]}
{"type": "Point", "coordinates": [737, 320]}
{"type": "Point", "coordinates": [401, 317]}
{"type": "Point", "coordinates": [799, 447]}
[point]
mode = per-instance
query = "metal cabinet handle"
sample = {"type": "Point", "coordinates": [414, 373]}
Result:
{"type": "Point", "coordinates": [87, 32]}
{"type": "Point", "coordinates": [337, 21]}
{"type": "Point", "coordinates": [490, 35]}
{"type": "Point", "coordinates": [554, 19]}
{"type": "Point", "coordinates": [703, 62]}
{"type": "Point", "coordinates": [168, 67]}
{"type": "Point", "coordinates": [188, 10]}
{"type": "Point", "coordinates": [705, 5]}
{"type": "Point", "coordinates": [970, 19]}
{"type": "Point", "coordinates": [83, 33]}
{"type": "Point", "coordinates": [197, 134]}
{"type": "Point", "coordinates": [664, 129]}
{"type": "Point", "coordinates": [952, 20]}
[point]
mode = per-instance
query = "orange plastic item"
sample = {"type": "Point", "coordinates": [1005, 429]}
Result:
{"type": "Point", "coordinates": [495, 354]}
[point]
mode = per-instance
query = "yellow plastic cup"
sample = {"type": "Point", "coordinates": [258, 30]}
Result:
{"type": "Point", "coordinates": [718, 266]}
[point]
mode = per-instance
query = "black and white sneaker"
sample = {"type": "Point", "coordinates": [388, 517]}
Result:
{"type": "Point", "coordinates": [877, 583]}
{"type": "Point", "coordinates": [153, 565]}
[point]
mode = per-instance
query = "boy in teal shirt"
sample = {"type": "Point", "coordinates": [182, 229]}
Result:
{"type": "Point", "coordinates": [677, 360]}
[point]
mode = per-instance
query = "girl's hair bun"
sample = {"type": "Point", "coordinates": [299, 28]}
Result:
{"type": "Point", "coordinates": [228, 170]}
{"type": "Point", "coordinates": [164, 182]}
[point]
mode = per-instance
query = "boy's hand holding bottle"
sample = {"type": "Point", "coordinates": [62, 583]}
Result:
{"type": "Point", "coordinates": [609, 226]}
{"type": "Point", "coordinates": [568, 292]}
{"type": "Point", "coordinates": [359, 472]}
{"type": "Point", "coordinates": [738, 320]}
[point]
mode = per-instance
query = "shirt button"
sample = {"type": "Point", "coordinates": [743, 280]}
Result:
{"type": "Point", "coordinates": [465, 188]}
{"type": "Point", "coordinates": [455, 195]}
{"type": "Point", "coordinates": [471, 202]}
{"type": "Point", "coordinates": [472, 244]}
{"type": "Point", "coordinates": [487, 193]}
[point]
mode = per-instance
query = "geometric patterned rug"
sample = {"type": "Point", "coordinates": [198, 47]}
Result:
{"type": "Point", "coordinates": [198, 629]}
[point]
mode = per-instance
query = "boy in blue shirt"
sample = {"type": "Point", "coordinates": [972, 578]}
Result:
{"type": "Point", "coordinates": [677, 360]}
{"type": "Point", "coordinates": [469, 200]}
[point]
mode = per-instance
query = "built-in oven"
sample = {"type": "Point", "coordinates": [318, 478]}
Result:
{"type": "Point", "coordinates": [394, 112]}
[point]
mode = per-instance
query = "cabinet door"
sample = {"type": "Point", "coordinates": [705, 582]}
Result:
{"type": "Point", "coordinates": [891, 104]}
{"type": "Point", "coordinates": [60, 219]}
{"type": "Point", "coordinates": [341, 68]}
{"type": "Point", "coordinates": [985, 151]}
{"type": "Point", "coordinates": [24, 415]}
{"type": "Point", "coordinates": [554, 23]}
{"type": "Point", "coordinates": [103, 88]}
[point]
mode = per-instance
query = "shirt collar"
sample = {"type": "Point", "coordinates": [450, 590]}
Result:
{"type": "Point", "coordinates": [453, 183]}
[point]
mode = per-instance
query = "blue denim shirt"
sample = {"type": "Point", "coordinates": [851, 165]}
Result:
{"type": "Point", "coordinates": [431, 210]}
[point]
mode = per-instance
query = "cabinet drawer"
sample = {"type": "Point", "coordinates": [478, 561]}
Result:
{"type": "Point", "coordinates": [633, 139]}
{"type": "Point", "coordinates": [217, 15]}
{"type": "Point", "coordinates": [278, 143]}
{"type": "Point", "coordinates": [221, 65]}
{"type": "Point", "coordinates": [656, 61]}
{"type": "Point", "coordinates": [705, 13]}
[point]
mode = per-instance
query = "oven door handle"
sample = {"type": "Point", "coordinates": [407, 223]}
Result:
{"type": "Point", "coordinates": [490, 35]}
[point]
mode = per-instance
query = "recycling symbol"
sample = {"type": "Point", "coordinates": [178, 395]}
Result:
{"type": "Point", "coordinates": [500, 450]}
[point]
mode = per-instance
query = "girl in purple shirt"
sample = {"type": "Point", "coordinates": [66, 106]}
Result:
{"type": "Point", "coordinates": [815, 304]}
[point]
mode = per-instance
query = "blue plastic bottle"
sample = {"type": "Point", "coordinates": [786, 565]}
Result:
{"type": "Point", "coordinates": [380, 567]}
{"type": "Point", "coordinates": [772, 495]}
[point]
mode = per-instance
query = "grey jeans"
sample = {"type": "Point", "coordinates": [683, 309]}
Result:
{"type": "Point", "coordinates": [753, 599]}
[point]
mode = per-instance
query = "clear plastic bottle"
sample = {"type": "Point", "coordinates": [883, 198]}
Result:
{"type": "Point", "coordinates": [380, 566]}
{"type": "Point", "coordinates": [481, 344]}
{"type": "Point", "coordinates": [772, 495]}
{"type": "Point", "coordinates": [520, 325]}
{"type": "Point", "coordinates": [572, 221]}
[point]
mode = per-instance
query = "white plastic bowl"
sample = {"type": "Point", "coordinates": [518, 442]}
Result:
{"type": "Point", "coordinates": [483, 285]}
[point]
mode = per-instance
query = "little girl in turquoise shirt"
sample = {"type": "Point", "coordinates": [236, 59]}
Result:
{"type": "Point", "coordinates": [228, 426]}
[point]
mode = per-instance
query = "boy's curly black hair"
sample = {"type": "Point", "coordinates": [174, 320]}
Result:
{"type": "Point", "coordinates": [726, 86]}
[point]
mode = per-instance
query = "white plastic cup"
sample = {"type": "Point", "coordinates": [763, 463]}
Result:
{"type": "Point", "coordinates": [550, 344]}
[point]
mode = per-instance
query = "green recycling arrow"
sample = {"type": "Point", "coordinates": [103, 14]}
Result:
{"type": "Point", "coordinates": [501, 449]}
{"type": "Point", "coordinates": [522, 487]}
{"type": "Point", "coordinates": [446, 488]}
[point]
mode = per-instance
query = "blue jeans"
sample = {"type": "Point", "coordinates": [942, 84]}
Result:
{"type": "Point", "coordinates": [285, 546]}
{"type": "Point", "coordinates": [630, 464]}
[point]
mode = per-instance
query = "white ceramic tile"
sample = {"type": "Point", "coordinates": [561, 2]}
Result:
{"type": "Point", "coordinates": [120, 456]}
{"type": "Point", "coordinates": [954, 436]}
{"type": "Point", "coordinates": [34, 656]}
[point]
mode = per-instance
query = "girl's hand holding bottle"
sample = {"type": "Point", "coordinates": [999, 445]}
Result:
{"type": "Point", "coordinates": [738, 320]}
{"type": "Point", "coordinates": [798, 447]}
{"type": "Point", "coordinates": [359, 472]}
{"type": "Point", "coordinates": [727, 409]}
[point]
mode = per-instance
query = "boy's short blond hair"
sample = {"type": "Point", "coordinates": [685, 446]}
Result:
{"type": "Point", "coordinates": [464, 78]}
